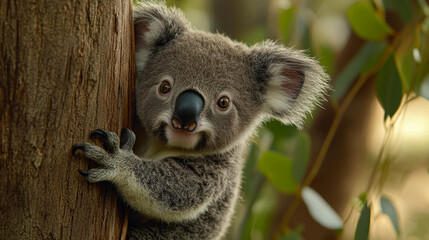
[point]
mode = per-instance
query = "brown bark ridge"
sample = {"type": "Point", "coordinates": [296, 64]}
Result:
{"type": "Point", "coordinates": [66, 68]}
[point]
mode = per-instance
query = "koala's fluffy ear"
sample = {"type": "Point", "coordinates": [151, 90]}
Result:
{"type": "Point", "coordinates": [154, 26]}
{"type": "Point", "coordinates": [294, 82]}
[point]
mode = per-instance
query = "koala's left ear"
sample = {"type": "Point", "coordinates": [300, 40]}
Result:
{"type": "Point", "coordinates": [294, 83]}
{"type": "Point", "coordinates": [155, 25]}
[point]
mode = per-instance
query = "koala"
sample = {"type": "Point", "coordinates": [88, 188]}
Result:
{"type": "Point", "coordinates": [199, 97]}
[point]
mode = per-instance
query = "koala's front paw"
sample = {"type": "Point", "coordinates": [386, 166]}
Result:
{"type": "Point", "coordinates": [113, 154]}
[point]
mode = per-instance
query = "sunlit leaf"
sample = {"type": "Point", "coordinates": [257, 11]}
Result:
{"type": "Point", "coordinates": [261, 213]}
{"type": "Point", "coordinates": [327, 58]}
{"type": "Point", "coordinates": [388, 88]}
{"type": "Point", "coordinates": [422, 69]}
{"type": "Point", "coordinates": [293, 234]}
{"type": "Point", "coordinates": [402, 7]}
{"type": "Point", "coordinates": [362, 228]}
{"type": "Point", "coordinates": [406, 66]}
{"type": "Point", "coordinates": [254, 35]}
{"type": "Point", "coordinates": [280, 130]}
{"type": "Point", "coordinates": [278, 169]}
{"type": "Point", "coordinates": [320, 210]}
{"type": "Point", "coordinates": [362, 197]}
{"type": "Point", "coordinates": [424, 89]}
{"type": "Point", "coordinates": [363, 61]}
{"type": "Point", "coordinates": [366, 23]}
{"type": "Point", "coordinates": [374, 57]}
{"type": "Point", "coordinates": [388, 209]}
{"type": "Point", "coordinates": [285, 25]}
{"type": "Point", "coordinates": [302, 154]}
{"type": "Point", "coordinates": [425, 25]}
{"type": "Point", "coordinates": [424, 6]}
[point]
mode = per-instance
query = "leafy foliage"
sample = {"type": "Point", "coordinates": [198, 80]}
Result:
{"type": "Point", "coordinates": [388, 88]}
{"type": "Point", "coordinates": [320, 210]}
{"type": "Point", "coordinates": [388, 209]}
{"type": "Point", "coordinates": [278, 169]}
{"type": "Point", "coordinates": [366, 23]}
{"type": "Point", "coordinates": [362, 228]}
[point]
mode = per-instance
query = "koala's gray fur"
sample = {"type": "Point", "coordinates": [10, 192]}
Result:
{"type": "Point", "coordinates": [187, 184]}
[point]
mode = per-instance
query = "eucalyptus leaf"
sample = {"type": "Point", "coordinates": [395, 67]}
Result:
{"type": "Point", "coordinates": [327, 58]}
{"type": "Point", "coordinates": [286, 17]}
{"type": "Point", "coordinates": [261, 212]}
{"type": "Point", "coordinates": [280, 130]}
{"type": "Point", "coordinates": [425, 25]}
{"type": "Point", "coordinates": [302, 155]}
{"type": "Point", "coordinates": [406, 68]}
{"type": "Point", "coordinates": [402, 7]}
{"type": "Point", "coordinates": [388, 209]}
{"type": "Point", "coordinates": [364, 60]}
{"type": "Point", "coordinates": [366, 23]}
{"type": "Point", "coordinates": [362, 228]}
{"type": "Point", "coordinates": [388, 88]}
{"type": "Point", "coordinates": [374, 57]}
{"type": "Point", "coordinates": [320, 210]}
{"type": "Point", "coordinates": [278, 169]}
{"type": "Point", "coordinates": [293, 234]}
{"type": "Point", "coordinates": [424, 89]}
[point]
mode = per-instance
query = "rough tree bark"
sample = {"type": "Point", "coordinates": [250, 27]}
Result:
{"type": "Point", "coordinates": [66, 68]}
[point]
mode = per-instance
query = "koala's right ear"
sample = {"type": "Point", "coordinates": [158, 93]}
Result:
{"type": "Point", "coordinates": [155, 25]}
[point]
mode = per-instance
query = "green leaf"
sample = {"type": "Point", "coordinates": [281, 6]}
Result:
{"type": "Point", "coordinates": [424, 6]}
{"type": "Point", "coordinates": [261, 213]}
{"type": "Point", "coordinates": [254, 35]}
{"type": "Point", "coordinates": [302, 154]}
{"type": "Point", "coordinates": [425, 25]}
{"type": "Point", "coordinates": [366, 23]}
{"type": "Point", "coordinates": [293, 235]}
{"type": "Point", "coordinates": [362, 197]}
{"type": "Point", "coordinates": [388, 88]}
{"type": "Point", "coordinates": [320, 210]}
{"type": "Point", "coordinates": [374, 57]}
{"type": "Point", "coordinates": [422, 69]}
{"type": "Point", "coordinates": [406, 67]}
{"type": "Point", "coordinates": [424, 89]}
{"type": "Point", "coordinates": [388, 209]}
{"type": "Point", "coordinates": [362, 228]}
{"type": "Point", "coordinates": [402, 7]}
{"type": "Point", "coordinates": [278, 169]}
{"type": "Point", "coordinates": [327, 58]}
{"type": "Point", "coordinates": [362, 62]}
{"type": "Point", "coordinates": [285, 23]}
{"type": "Point", "coordinates": [280, 130]}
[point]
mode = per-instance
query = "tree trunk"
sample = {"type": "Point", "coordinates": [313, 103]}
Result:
{"type": "Point", "coordinates": [66, 68]}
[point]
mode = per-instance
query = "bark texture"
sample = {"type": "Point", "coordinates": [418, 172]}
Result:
{"type": "Point", "coordinates": [66, 68]}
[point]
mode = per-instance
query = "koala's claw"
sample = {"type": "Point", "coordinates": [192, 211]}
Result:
{"type": "Point", "coordinates": [98, 174]}
{"type": "Point", "coordinates": [77, 147]}
{"type": "Point", "coordinates": [110, 157]}
{"type": "Point", "coordinates": [110, 140]}
{"type": "Point", "coordinates": [83, 173]}
{"type": "Point", "coordinates": [100, 134]}
{"type": "Point", "coordinates": [128, 138]}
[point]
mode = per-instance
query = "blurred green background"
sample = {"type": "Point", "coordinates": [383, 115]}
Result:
{"type": "Point", "coordinates": [366, 151]}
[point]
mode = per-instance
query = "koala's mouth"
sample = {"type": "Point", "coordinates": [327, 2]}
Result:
{"type": "Point", "coordinates": [179, 138]}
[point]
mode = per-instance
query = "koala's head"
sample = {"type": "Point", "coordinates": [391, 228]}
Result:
{"type": "Point", "coordinates": [204, 92]}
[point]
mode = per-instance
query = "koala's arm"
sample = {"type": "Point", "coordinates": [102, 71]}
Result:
{"type": "Point", "coordinates": [172, 189]}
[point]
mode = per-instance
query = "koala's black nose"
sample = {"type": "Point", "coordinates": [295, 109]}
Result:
{"type": "Point", "coordinates": [188, 108]}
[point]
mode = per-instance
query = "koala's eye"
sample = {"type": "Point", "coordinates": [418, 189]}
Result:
{"type": "Point", "coordinates": [223, 103]}
{"type": "Point", "coordinates": [165, 87]}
